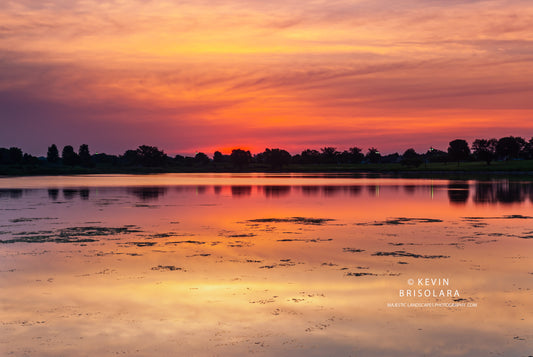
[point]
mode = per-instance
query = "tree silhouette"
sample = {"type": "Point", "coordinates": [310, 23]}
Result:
{"type": "Point", "coordinates": [310, 156]}
{"type": "Point", "coordinates": [356, 155]}
{"type": "Point", "coordinates": [373, 155]}
{"type": "Point", "coordinates": [411, 158]}
{"type": "Point", "coordinates": [151, 156]}
{"type": "Point", "coordinates": [69, 157]}
{"type": "Point", "coordinates": [201, 159]}
{"type": "Point", "coordinates": [240, 158]}
{"type": "Point", "coordinates": [528, 150]}
{"type": "Point", "coordinates": [15, 155]}
{"type": "Point", "coordinates": [485, 150]}
{"type": "Point", "coordinates": [85, 156]}
{"type": "Point", "coordinates": [510, 147]}
{"type": "Point", "coordinates": [436, 155]}
{"type": "Point", "coordinates": [52, 154]}
{"type": "Point", "coordinates": [329, 155]}
{"type": "Point", "coordinates": [218, 157]}
{"type": "Point", "coordinates": [276, 158]}
{"type": "Point", "coordinates": [458, 150]}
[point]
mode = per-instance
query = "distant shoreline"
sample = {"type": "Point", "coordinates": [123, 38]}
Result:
{"type": "Point", "coordinates": [497, 169]}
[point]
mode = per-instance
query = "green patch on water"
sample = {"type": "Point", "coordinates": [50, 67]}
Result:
{"type": "Point", "coordinates": [297, 220]}
{"type": "Point", "coordinates": [69, 234]}
{"type": "Point", "coordinates": [400, 221]}
{"type": "Point", "coordinates": [402, 253]}
{"type": "Point", "coordinates": [167, 267]}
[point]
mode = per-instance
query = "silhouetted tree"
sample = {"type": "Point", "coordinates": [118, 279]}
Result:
{"type": "Point", "coordinates": [276, 158]}
{"type": "Point", "coordinates": [329, 155]}
{"type": "Point", "coordinates": [485, 150]}
{"type": "Point", "coordinates": [85, 156]}
{"type": "Point", "coordinates": [310, 156]}
{"type": "Point", "coordinates": [151, 156]}
{"type": "Point", "coordinates": [218, 157]}
{"type": "Point", "coordinates": [436, 155]}
{"type": "Point", "coordinates": [411, 158]}
{"type": "Point", "coordinates": [356, 155]}
{"type": "Point", "coordinates": [106, 159]}
{"type": "Point", "coordinates": [4, 156]}
{"type": "Point", "coordinates": [52, 154]}
{"type": "Point", "coordinates": [528, 150]}
{"type": "Point", "coordinates": [390, 159]}
{"type": "Point", "coordinates": [373, 155]}
{"type": "Point", "coordinates": [179, 160]}
{"type": "Point", "coordinates": [509, 147]}
{"type": "Point", "coordinates": [28, 159]}
{"type": "Point", "coordinates": [240, 158]}
{"type": "Point", "coordinates": [458, 150]}
{"type": "Point", "coordinates": [201, 159]}
{"type": "Point", "coordinates": [130, 158]}
{"type": "Point", "coordinates": [69, 157]}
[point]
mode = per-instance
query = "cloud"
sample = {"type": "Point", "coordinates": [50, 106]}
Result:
{"type": "Point", "coordinates": [223, 71]}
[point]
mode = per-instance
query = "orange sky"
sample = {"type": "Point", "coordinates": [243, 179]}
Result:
{"type": "Point", "coordinates": [192, 76]}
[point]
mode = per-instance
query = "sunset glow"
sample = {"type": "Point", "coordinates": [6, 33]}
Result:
{"type": "Point", "coordinates": [190, 76]}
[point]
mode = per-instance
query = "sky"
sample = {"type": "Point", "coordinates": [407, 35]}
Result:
{"type": "Point", "coordinates": [205, 75]}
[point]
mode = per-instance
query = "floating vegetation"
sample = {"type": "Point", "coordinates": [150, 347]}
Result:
{"type": "Point", "coordinates": [30, 233]}
{"type": "Point", "coordinates": [239, 244]}
{"type": "Point", "coordinates": [23, 220]}
{"type": "Point", "coordinates": [511, 216]}
{"type": "Point", "coordinates": [313, 240]}
{"type": "Point", "coordinates": [360, 274]}
{"type": "Point", "coordinates": [298, 220]}
{"type": "Point", "coordinates": [400, 220]}
{"type": "Point", "coordinates": [161, 235]}
{"type": "Point", "coordinates": [98, 231]}
{"type": "Point", "coordinates": [352, 250]}
{"type": "Point", "coordinates": [48, 239]}
{"type": "Point", "coordinates": [245, 235]}
{"type": "Point", "coordinates": [70, 234]}
{"type": "Point", "coordinates": [329, 264]}
{"type": "Point", "coordinates": [167, 267]}
{"type": "Point", "coordinates": [263, 301]}
{"type": "Point", "coordinates": [401, 253]}
{"type": "Point", "coordinates": [143, 244]}
{"type": "Point", "coordinates": [230, 234]}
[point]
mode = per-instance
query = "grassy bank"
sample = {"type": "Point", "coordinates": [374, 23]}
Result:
{"type": "Point", "coordinates": [524, 167]}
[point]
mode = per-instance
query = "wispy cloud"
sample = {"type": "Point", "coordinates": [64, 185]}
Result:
{"type": "Point", "coordinates": [238, 70]}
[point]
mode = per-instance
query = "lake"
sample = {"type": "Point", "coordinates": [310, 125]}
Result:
{"type": "Point", "coordinates": [265, 264]}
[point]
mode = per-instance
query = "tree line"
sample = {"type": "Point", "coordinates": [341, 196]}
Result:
{"type": "Point", "coordinates": [487, 150]}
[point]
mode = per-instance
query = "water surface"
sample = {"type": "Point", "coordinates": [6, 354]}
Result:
{"type": "Point", "coordinates": [272, 265]}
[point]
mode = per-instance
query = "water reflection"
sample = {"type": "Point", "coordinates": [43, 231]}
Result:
{"type": "Point", "coordinates": [11, 193]}
{"type": "Point", "coordinates": [268, 269]}
{"type": "Point", "coordinates": [147, 193]}
{"type": "Point", "coordinates": [239, 191]}
{"type": "Point", "coordinates": [53, 193]}
{"type": "Point", "coordinates": [458, 192]}
{"type": "Point", "coordinates": [276, 191]}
